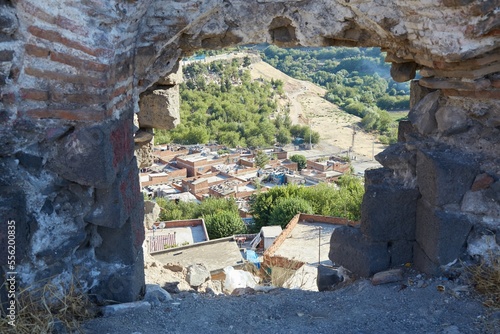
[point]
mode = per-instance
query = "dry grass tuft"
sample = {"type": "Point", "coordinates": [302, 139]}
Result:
{"type": "Point", "coordinates": [486, 280]}
{"type": "Point", "coordinates": [45, 309]}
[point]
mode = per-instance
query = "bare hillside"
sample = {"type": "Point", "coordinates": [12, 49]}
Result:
{"type": "Point", "coordinates": [307, 106]}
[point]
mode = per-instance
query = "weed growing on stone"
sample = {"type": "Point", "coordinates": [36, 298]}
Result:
{"type": "Point", "coordinates": [49, 309]}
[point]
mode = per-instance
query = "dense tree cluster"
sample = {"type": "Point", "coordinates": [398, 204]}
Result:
{"type": "Point", "coordinates": [278, 205]}
{"type": "Point", "coordinates": [220, 103]}
{"type": "Point", "coordinates": [356, 79]}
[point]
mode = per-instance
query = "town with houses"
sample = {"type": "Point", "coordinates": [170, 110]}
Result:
{"type": "Point", "coordinates": [193, 173]}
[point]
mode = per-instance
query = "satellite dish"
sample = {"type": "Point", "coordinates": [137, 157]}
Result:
{"type": "Point", "coordinates": [161, 225]}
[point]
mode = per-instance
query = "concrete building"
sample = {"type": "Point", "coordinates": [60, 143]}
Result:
{"type": "Point", "coordinates": [201, 163]}
{"type": "Point", "coordinates": [214, 254]}
{"type": "Point", "coordinates": [200, 185]}
{"type": "Point", "coordinates": [306, 239]}
{"type": "Point", "coordinates": [176, 233]}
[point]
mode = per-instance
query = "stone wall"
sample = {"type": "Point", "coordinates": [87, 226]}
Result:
{"type": "Point", "coordinates": [73, 73]}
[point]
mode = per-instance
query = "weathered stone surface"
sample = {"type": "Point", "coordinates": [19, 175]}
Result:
{"type": "Point", "coordinates": [197, 274]}
{"type": "Point", "coordinates": [441, 234]}
{"type": "Point", "coordinates": [125, 308]}
{"type": "Point", "coordinates": [92, 155]}
{"type": "Point", "coordinates": [422, 115]}
{"type": "Point", "coordinates": [115, 246]}
{"type": "Point", "coordinates": [388, 276]}
{"type": "Point", "coordinates": [143, 136]}
{"type": "Point", "coordinates": [155, 295]}
{"type": "Point", "coordinates": [327, 278]}
{"type": "Point", "coordinates": [120, 283]}
{"type": "Point", "coordinates": [114, 205]}
{"type": "Point", "coordinates": [476, 202]}
{"type": "Point", "coordinates": [404, 128]}
{"type": "Point", "coordinates": [159, 108]}
{"type": "Point", "coordinates": [151, 213]}
{"type": "Point", "coordinates": [417, 92]}
{"type": "Point", "coordinates": [363, 257]}
{"type": "Point", "coordinates": [175, 267]}
{"type": "Point", "coordinates": [175, 77]}
{"type": "Point", "coordinates": [402, 72]}
{"type": "Point", "coordinates": [144, 154]}
{"type": "Point", "coordinates": [482, 181]}
{"type": "Point", "coordinates": [398, 157]}
{"type": "Point", "coordinates": [443, 177]}
{"type": "Point", "coordinates": [401, 252]}
{"type": "Point", "coordinates": [423, 262]}
{"type": "Point", "coordinates": [85, 157]}
{"type": "Point", "coordinates": [14, 219]}
{"type": "Point", "coordinates": [397, 220]}
{"type": "Point", "coordinates": [455, 84]}
{"type": "Point", "coordinates": [451, 120]}
{"type": "Point", "coordinates": [377, 176]}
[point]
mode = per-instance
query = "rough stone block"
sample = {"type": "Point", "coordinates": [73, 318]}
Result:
{"type": "Point", "coordinates": [397, 157]}
{"type": "Point", "coordinates": [422, 115]}
{"type": "Point", "coordinates": [443, 177]}
{"type": "Point", "coordinates": [151, 213]}
{"type": "Point", "coordinates": [451, 120]}
{"type": "Point", "coordinates": [144, 154]}
{"type": "Point", "coordinates": [93, 155]}
{"type": "Point", "coordinates": [402, 72]}
{"type": "Point", "coordinates": [119, 283]}
{"type": "Point", "coordinates": [423, 263]}
{"type": "Point", "coordinates": [114, 205]}
{"type": "Point", "coordinates": [175, 76]}
{"type": "Point", "coordinates": [417, 92]}
{"type": "Point", "coordinates": [125, 308]}
{"type": "Point", "coordinates": [388, 276]}
{"type": "Point", "coordinates": [143, 136]}
{"type": "Point", "coordinates": [116, 244]}
{"type": "Point", "coordinates": [363, 257]}
{"type": "Point", "coordinates": [84, 156]}
{"type": "Point", "coordinates": [14, 218]}
{"type": "Point", "coordinates": [197, 274]}
{"type": "Point", "coordinates": [388, 212]}
{"type": "Point", "coordinates": [155, 295]}
{"type": "Point", "coordinates": [476, 202]}
{"type": "Point", "coordinates": [377, 176]}
{"type": "Point", "coordinates": [327, 278]}
{"type": "Point", "coordinates": [404, 128]}
{"type": "Point", "coordinates": [159, 108]}
{"type": "Point", "coordinates": [441, 234]}
{"type": "Point", "coordinates": [482, 181]}
{"type": "Point", "coordinates": [401, 252]}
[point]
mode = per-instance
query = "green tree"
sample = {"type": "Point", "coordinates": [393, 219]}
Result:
{"type": "Point", "coordinates": [287, 208]}
{"type": "Point", "coordinates": [300, 160]}
{"type": "Point", "coordinates": [262, 204]}
{"type": "Point", "coordinates": [283, 136]}
{"type": "Point", "coordinates": [246, 61]}
{"type": "Point", "coordinates": [223, 224]}
{"type": "Point", "coordinates": [261, 159]}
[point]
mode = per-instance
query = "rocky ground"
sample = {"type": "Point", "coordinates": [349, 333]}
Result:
{"type": "Point", "coordinates": [414, 305]}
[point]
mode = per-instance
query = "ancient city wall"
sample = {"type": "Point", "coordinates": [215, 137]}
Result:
{"type": "Point", "coordinates": [73, 74]}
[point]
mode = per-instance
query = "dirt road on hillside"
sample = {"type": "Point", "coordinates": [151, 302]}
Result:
{"type": "Point", "coordinates": [308, 107]}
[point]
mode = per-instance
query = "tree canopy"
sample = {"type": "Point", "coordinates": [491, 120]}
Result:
{"type": "Point", "coordinates": [300, 160]}
{"type": "Point", "coordinates": [344, 200]}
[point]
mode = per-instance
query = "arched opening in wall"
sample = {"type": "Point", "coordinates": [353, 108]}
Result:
{"type": "Point", "coordinates": [319, 115]}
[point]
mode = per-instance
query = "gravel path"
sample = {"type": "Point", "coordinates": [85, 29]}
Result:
{"type": "Point", "coordinates": [357, 308]}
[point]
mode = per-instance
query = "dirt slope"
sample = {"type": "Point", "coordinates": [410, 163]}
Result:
{"type": "Point", "coordinates": [307, 106]}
